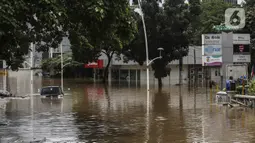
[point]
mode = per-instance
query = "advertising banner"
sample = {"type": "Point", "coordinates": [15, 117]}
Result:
{"type": "Point", "coordinates": [212, 60]}
{"type": "Point", "coordinates": [212, 50]}
{"type": "Point", "coordinates": [241, 49]}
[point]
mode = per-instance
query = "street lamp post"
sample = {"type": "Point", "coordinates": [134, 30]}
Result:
{"type": "Point", "coordinates": [140, 12]}
{"type": "Point", "coordinates": [146, 43]}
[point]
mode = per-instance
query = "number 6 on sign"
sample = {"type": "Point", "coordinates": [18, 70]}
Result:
{"type": "Point", "coordinates": [235, 18]}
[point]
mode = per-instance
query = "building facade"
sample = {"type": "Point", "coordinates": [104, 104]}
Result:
{"type": "Point", "coordinates": [66, 47]}
{"type": "Point", "coordinates": [132, 72]}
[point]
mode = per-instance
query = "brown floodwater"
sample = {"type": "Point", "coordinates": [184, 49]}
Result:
{"type": "Point", "coordinates": [124, 114]}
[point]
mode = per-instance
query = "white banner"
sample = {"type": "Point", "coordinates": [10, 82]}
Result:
{"type": "Point", "coordinates": [211, 39]}
{"type": "Point", "coordinates": [241, 58]}
{"type": "Point", "coordinates": [241, 39]}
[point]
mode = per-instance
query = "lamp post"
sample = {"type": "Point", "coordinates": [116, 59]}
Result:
{"type": "Point", "coordinates": [139, 11]}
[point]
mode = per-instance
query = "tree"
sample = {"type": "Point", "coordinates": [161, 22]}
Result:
{"type": "Point", "coordinates": [250, 26]}
{"type": "Point", "coordinates": [166, 28]}
{"type": "Point", "coordinates": [194, 29]}
{"type": "Point", "coordinates": [250, 22]}
{"type": "Point", "coordinates": [55, 63]}
{"type": "Point", "coordinates": [212, 14]}
{"type": "Point", "coordinates": [99, 26]}
{"type": "Point", "coordinates": [24, 22]}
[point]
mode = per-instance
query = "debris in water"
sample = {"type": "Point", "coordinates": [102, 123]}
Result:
{"type": "Point", "coordinates": [4, 93]}
{"type": "Point", "coordinates": [160, 118]}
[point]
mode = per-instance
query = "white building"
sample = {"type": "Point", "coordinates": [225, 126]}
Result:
{"type": "Point", "coordinates": [66, 47]}
{"type": "Point", "coordinates": [133, 72]}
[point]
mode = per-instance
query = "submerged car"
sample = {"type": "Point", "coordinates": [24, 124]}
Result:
{"type": "Point", "coordinates": [52, 92]}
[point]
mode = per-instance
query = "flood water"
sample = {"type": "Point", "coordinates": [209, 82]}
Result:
{"type": "Point", "coordinates": [122, 114]}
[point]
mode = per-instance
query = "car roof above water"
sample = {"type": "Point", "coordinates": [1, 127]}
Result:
{"type": "Point", "coordinates": [51, 87]}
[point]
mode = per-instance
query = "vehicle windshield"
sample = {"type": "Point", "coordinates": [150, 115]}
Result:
{"type": "Point", "coordinates": [50, 90]}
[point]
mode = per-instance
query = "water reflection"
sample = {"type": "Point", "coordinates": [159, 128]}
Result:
{"type": "Point", "coordinates": [98, 113]}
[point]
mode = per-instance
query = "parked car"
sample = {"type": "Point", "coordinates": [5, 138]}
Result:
{"type": "Point", "coordinates": [51, 91]}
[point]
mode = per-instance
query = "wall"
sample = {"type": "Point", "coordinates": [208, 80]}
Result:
{"type": "Point", "coordinates": [187, 60]}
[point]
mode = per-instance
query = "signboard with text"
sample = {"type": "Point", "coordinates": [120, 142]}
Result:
{"type": "Point", "coordinates": [211, 39]}
{"type": "Point", "coordinates": [241, 39]}
{"type": "Point", "coordinates": [241, 58]}
{"type": "Point", "coordinates": [211, 50]}
{"type": "Point", "coordinates": [98, 64]}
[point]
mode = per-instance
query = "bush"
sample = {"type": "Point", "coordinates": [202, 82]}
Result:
{"type": "Point", "coordinates": [252, 87]}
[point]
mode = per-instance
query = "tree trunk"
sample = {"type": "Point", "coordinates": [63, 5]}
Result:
{"type": "Point", "coordinates": [109, 56]}
{"type": "Point", "coordinates": [106, 71]}
{"type": "Point", "coordinates": [160, 83]}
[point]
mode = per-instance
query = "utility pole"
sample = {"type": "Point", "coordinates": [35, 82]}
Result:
{"type": "Point", "coordinates": [195, 71]}
{"type": "Point", "coordinates": [31, 66]}
{"type": "Point", "coordinates": [5, 76]}
{"type": "Point", "coordinates": [62, 67]}
{"type": "Point", "coordinates": [180, 71]}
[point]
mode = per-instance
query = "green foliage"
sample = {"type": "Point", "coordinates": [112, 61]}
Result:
{"type": "Point", "coordinates": [55, 63]}
{"type": "Point", "coordinates": [91, 25]}
{"type": "Point", "coordinates": [251, 88]}
{"type": "Point", "coordinates": [98, 25]}
{"type": "Point", "coordinates": [167, 28]}
{"type": "Point", "coordinates": [212, 15]}
{"type": "Point", "coordinates": [23, 22]}
{"type": "Point", "coordinates": [250, 24]}
{"type": "Point", "coordinates": [194, 29]}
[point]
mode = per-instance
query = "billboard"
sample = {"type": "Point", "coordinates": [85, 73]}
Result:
{"type": "Point", "coordinates": [212, 60]}
{"type": "Point", "coordinates": [211, 50]}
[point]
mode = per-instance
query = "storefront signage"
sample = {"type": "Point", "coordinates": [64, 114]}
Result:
{"type": "Point", "coordinates": [211, 39]}
{"type": "Point", "coordinates": [241, 39]}
{"type": "Point", "coordinates": [98, 64]}
{"type": "Point", "coordinates": [212, 50]}
{"type": "Point", "coordinates": [212, 60]}
{"type": "Point", "coordinates": [241, 58]}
